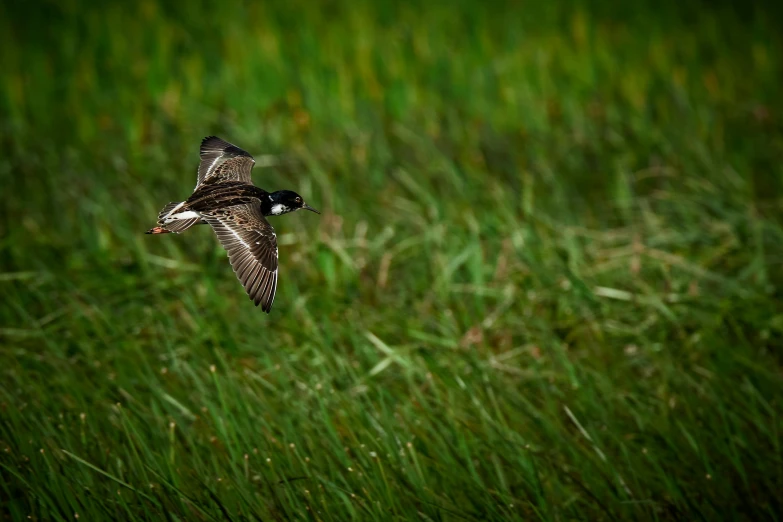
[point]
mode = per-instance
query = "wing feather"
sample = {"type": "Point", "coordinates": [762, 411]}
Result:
{"type": "Point", "coordinates": [251, 244]}
{"type": "Point", "coordinates": [222, 161]}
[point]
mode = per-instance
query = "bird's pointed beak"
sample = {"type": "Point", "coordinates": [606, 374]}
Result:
{"type": "Point", "coordinates": [311, 209]}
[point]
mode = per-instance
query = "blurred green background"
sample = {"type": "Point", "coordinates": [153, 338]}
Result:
{"type": "Point", "coordinates": [546, 283]}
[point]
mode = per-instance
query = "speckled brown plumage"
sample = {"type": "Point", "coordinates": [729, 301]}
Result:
{"type": "Point", "coordinates": [251, 244]}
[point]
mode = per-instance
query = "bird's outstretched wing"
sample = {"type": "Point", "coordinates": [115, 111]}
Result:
{"type": "Point", "coordinates": [251, 244]}
{"type": "Point", "coordinates": [222, 161]}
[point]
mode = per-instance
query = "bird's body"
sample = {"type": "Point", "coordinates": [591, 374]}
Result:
{"type": "Point", "coordinates": [226, 199]}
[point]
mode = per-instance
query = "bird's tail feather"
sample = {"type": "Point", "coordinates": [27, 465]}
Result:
{"type": "Point", "coordinates": [168, 221]}
{"type": "Point", "coordinates": [180, 225]}
{"type": "Point", "coordinates": [167, 211]}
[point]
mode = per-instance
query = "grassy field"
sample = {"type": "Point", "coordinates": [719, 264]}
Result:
{"type": "Point", "coordinates": [547, 282]}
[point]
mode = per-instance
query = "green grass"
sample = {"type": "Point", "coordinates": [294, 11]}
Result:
{"type": "Point", "coordinates": [547, 282]}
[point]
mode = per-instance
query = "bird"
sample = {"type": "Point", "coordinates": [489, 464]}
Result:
{"type": "Point", "coordinates": [226, 199]}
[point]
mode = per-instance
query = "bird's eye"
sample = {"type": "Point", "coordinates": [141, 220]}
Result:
{"type": "Point", "coordinates": [298, 199]}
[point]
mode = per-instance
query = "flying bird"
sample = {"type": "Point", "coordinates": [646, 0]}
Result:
{"type": "Point", "coordinates": [226, 199]}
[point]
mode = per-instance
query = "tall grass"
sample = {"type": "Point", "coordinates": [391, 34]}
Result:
{"type": "Point", "coordinates": [546, 283]}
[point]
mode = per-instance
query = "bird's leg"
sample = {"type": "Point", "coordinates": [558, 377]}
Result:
{"type": "Point", "coordinates": [158, 230]}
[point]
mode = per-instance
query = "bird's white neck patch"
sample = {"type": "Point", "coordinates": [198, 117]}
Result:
{"type": "Point", "coordinates": [279, 209]}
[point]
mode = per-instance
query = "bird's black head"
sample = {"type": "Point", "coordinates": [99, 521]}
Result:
{"type": "Point", "coordinates": [284, 201]}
